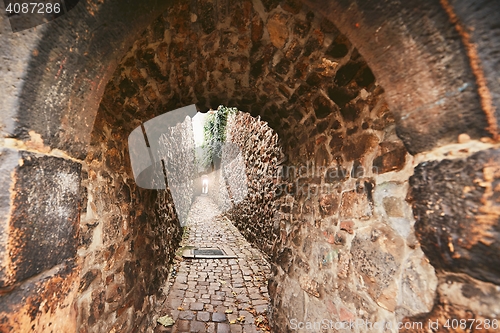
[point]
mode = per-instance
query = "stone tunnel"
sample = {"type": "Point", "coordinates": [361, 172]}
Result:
{"type": "Point", "coordinates": [370, 135]}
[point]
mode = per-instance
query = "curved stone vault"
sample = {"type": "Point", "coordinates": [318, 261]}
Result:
{"type": "Point", "coordinates": [372, 156]}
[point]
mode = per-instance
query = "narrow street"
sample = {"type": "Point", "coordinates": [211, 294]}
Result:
{"type": "Point", "coordinates": [217, 295]}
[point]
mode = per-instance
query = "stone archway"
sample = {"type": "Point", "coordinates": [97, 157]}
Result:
{"type": "Point", "coordinates": [439, 83]}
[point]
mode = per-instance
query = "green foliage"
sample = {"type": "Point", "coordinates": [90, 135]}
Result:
{"type": "Point", "coordinates": [214, 133]}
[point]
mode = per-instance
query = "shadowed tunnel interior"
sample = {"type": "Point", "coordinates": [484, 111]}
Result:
{"type": "Point", "coordinates": [368, 131]}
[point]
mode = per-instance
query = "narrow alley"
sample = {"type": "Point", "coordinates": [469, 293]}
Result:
{"type": "Point", "coordinates": [343, 155]}
{"type": "Point", "coordinates": [217, 295]}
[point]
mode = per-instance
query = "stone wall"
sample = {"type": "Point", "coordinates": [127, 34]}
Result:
{"type": "Point", "coordinates": [248, 173]}
{"type": "Point", "coordinates": [333, 218]}
{"type": "Point", "coordinates": [436, 60]}
{"type": "Point", "coordinates": [457, 226]}
{"type": "Point", "coordinates": [128, 235]}
{"type": "Point", "coordinates": [39, 242]}
{"type": "Point", "coordinates": [342, 231]}
{"type": "Point", "coordinates": [178, 153]}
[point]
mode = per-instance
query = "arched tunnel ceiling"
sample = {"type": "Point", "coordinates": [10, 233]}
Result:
{"type": "Point", "coordinates": [295, 70]}
{"type": "Point", "coordinates": [413, 48]}
{"type": "Point", "coordinates": [439, 75]}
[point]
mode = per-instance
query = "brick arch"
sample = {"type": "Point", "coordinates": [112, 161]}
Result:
{"type": "Point", "coordinates": [434, 65]}
{"type": "Point", "coordinates": [438, 83]}
{"type": "Point", "coordinates": [416, 37]}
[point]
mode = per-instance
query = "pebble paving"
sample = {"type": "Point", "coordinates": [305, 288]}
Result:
{"type": "Point", "coordinates": [217, 295]}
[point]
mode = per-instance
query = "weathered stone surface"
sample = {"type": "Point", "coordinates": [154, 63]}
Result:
{"type": "Point", "coordinates": [455, 203]}
{"type": "Point", "coordinates": [88, 278]}
{"type": "Point", "coordinates": [341, 95]}
{"type": "Point", "coordinates": [346, 73]}
{"type": "Point", "coordinates": [253, 145]}
{"type": "Point", "coordinates": [278, 31]}
{"type": "Point", "coordinates": [451, 62]}
{"type": "Point", "coordinates": [378, 263]}
{"type": "Point", "coordinates": [257, 29]}
{"type": "Point", "coordinates": [392, 157]}
{"type": "Point", "coordinates": [390, 204]}
{"type": "Point", "coordinates": [338, 48]}
{"type": "Point", "coordinates": [347, 226]}
{"type": "Point", "coordinates": [47, 298]}
{"type": "Point", "coordinates": [329, 204]}
{"type": "Point", "coordinates": [323, 107]}
{"type": "Point", "coordinates": [8, 162]}
{"type": "Point", "coordinates": [359, 146]}
{"type": "Point", "coordinates": [459, 296]}
{"type": "Point", "coordinates": [44, 214]}
{"type": "Point", "coordinates": [418, 285]}
{"type": "Point", "coordinates": [65, 122]}
{"type": "Point", "coordinates": [177, 149]}
{"type": "Point", "coordinates": [131, 234]}
{"type": "Point", "coordinates": [393, 207]}
{"type": "Point", "coordinates": [426, 117]}
{"type": "Point", "coordinates": [309, 285]}
{"type": "Point", "coordinates": [483, 15]}
{"type": "Point", "coordinates": [335, 174]}
{"type": "Point", "coordinates": [206, 15]}
{"type": "Point", "coordinates": [357, 203]}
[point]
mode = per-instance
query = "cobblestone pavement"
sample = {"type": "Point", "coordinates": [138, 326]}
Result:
{"type": "Point", "coordinates": [217, 295]}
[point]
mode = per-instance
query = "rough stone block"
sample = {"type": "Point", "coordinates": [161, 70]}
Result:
{"type": "Point", "coordinates": [335, 174]}
{"type": "Point", "coordinates": [393, 207]}
{"type": "Point", "coordinates": [347, 226]}
{"type": "Point", "coordinates": [329, 204]}
{"type": "Point", "coordinates": [278, 31]}
{"type": "Point", "coordinates": [88, 278]}
{"type": "Point", "coordinates": [392, 157]}
{"type": "Point", "coordinates": [46, 300]}
{"type": "Point", "coordinates": [8, 162]}
{"type": "Point", "coordinates": [390, 204]}
{"type": "Point", "coordinates": [378, 262]}
{"type": "Point", "coordinates": [323, 107]}
{"type": "Point", "coordinates": [359, 146]}
{"type": "Point", "coordinates": [460, 296]}
{"type": "Point", "coordinates": [44, 213]}
{"type": "Point", "coordinates": [418, 284]}
{"type": "Point", "coordinates": [457, 209]}
{"type": "Point", "coordinates": [309, 285]}
{"type": "Point", "coordinates": [357, 203]}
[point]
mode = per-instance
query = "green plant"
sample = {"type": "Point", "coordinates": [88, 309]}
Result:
{"type": "Point", "coordinates": [214, 133]}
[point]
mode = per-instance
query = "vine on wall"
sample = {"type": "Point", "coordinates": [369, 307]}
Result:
{"type": "Point", "coordinates": [214, 134]}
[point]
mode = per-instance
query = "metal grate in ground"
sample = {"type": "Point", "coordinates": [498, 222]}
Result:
{"type": "Point", "coordinates": [206, 253]}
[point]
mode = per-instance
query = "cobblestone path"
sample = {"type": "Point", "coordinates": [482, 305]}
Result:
{"type": "Point", "coordinates": [217, 295]}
